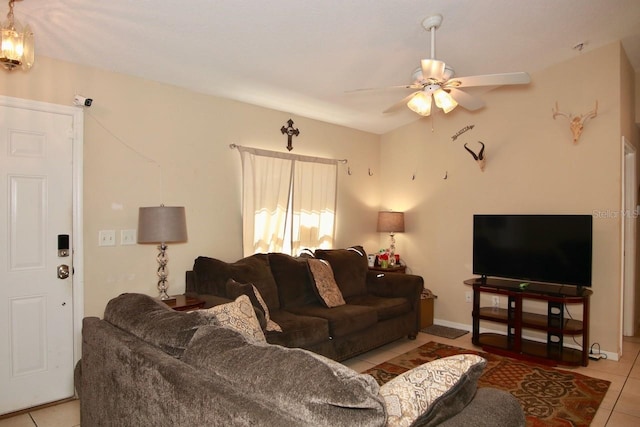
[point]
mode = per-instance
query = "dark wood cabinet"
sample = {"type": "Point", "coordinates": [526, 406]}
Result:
{"type": "Point", "coordinates": [555, 324]}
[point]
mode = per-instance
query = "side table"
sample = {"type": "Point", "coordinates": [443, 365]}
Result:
{"type": "Point", "coordinates": [184, 303]}
{"type": "Point", "coordinates": [394, 269]}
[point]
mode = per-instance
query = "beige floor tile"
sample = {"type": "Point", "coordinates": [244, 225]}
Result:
{"type": "Point", "coordinates": [635, 371]}
{"type": "Point", "coordinates": [23, 420]}
{"type": "Point", "coordinates": [63, 415]}
{"type": "Point", "coordinates": [600, 420]}
{"type": "Point", "coordinates": [378, 356]}
{"type": "Point", "coordinates": [629, 400]}
{"type": "Point", "coordinates": [621, 367]}
{"type": "Point", "coordinates": [356, 364]}
{"type": "Point", "coordinates": [619, 419]}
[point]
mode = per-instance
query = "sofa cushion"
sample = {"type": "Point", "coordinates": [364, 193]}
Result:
{"type": "Point", "coordinates": [212, 275]}
{"type": "Point", "coordinates": [325, 285]}
{"type": "Point", "coordinates": [239, 316]}
{"type": "Point", "coordinates": [153, 321]}
{"type": "Point", "coordinates": [432, 392]}
{"type": "Point", "coordinates": [315, 390]}
{"type": "Point", "coordinates": [297, 330]}
{"type": "Point", "coordinates": [387, 308]}
{"type": "Point", "coordinates": [349, 268]}
{"type": "Point", "coordinates": [295, 285]}
{"type": "Point", "coordinates": [344, 319]}
{"type": "Point", "coordinates": [235, 289]}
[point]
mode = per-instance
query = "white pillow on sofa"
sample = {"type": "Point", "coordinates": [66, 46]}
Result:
{"type": "Point", "coordinates": [433, 391]}
{"type": "Point", "coordinates": [238, 315]}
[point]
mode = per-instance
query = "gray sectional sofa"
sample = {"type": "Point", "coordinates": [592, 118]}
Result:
{"type": "Point", "coordinates": [380, 307]}
{"type": "Point", "coordinates": [144, 364]}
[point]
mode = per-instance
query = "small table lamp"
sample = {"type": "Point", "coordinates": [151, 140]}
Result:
{"type": "Point", "coordinates": [162, 224]}
{"type": "Point", "coordinates": [391, 222]}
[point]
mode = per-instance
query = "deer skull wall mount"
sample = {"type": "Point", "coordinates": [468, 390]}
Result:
{"type": "Point", "coordinates": [576, 123]}
{"type": "Point", "coordinates": [480, 157]}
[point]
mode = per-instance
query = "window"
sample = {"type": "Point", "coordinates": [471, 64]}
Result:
{"type": "Point", "coordinates": [289, 201]}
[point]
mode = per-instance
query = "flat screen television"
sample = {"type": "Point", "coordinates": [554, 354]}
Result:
{"type": "Point", "coordinates": [538, 248]}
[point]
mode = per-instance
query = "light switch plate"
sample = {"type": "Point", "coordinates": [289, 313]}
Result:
{"type": "Point", "coordinates": [106, 238]}
{"type": "Point", "coordinates": [128, 237]}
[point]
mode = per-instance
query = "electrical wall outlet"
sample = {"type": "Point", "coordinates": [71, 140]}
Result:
{"type": "Point", "coordinates": [495, 301]}
{"type": "Point", "coordinates": [468, 296]}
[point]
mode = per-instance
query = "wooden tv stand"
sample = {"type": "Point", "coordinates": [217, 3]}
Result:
{"type": "Point", "coordinates": [511, 344]}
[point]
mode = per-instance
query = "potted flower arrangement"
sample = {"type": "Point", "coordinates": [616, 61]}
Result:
{"type": "Point", "coordinates": [383, 260]}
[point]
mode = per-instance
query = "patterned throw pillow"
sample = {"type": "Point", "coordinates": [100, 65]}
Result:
{"type": "Point", "coordinates": [325, 283]}
{"type": "Point", "coordinates": [271, 325]}
{"type": "Point", "coordinates": [238, 315]}
{"type": "Point", "coordinates": [235, 289]}
{"type": "Point", "coordinates": [432, 392]}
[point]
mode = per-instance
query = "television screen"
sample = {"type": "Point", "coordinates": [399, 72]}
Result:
{"type": "Point", "coordinates": [537, 248]}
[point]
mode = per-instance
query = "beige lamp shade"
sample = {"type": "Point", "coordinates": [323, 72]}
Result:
{"type": "Point", "coordinates": [391, 222]}
{"type": "Point", "coordinates": [162, 224]}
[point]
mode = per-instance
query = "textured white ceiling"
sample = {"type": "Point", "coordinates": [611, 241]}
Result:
{"type": "Point", "coordinates": [302, 56]}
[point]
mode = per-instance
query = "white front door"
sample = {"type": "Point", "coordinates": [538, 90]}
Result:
{"type": "Point", "coordinates": [36, 213]}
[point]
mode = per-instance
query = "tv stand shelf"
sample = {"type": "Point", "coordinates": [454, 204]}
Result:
{"type": "Point", "coordinates": [554, 323]}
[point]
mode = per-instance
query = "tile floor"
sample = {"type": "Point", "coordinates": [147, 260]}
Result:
{"type": "Point", "coordinates": [620, 407]}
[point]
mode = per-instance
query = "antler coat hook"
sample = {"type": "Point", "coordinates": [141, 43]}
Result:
{"type": "Point", "coordinates": [479, 158]}
{"type": "Point", "coordinates": [290, 132]}
{"type": "Point", "coordinates": [576, 123]}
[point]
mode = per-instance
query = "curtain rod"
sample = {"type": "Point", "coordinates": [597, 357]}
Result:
{"type": "Point", "coordinates": [286, 155]}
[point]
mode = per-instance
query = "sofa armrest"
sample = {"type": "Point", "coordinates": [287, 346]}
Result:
{"type": "Point", "coordinates": [395, 285]}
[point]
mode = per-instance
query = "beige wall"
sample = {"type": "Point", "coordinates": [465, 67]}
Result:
{"type": "Point", "coordinates": [637, 103]}
{"type": "Point", "coordinates": [140, 133]}
{"type": "Point", "coordinates": [147, 143]}
{"type": "Point", "coordinates": [532, 167]}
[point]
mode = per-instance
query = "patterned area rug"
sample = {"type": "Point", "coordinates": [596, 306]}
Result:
{"type": "Point", "coordinates": [548, 396]}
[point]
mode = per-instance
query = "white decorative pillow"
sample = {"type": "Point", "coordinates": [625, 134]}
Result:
{"type": "Point", "coordinates": [238, 315]}
{"type": "Point", "coordinates": [271, 325]}
{"type": "Point", "coordinates": [432, 392]}
{"type": "Point", "coordinates": [325, 283]}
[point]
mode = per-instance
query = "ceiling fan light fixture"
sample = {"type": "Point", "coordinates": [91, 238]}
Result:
{"type": "Point", "coordinates": [16, 44]}
{"type": "Point", "coordinates": [420, 103]}
{"type": "Point", "coordinates": [444, 100]}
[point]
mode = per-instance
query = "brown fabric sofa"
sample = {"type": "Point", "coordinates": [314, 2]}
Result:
{"type": "Point", "coordinates": [147, 365]}
{"type": "Point", "coordinates": [380, 307]}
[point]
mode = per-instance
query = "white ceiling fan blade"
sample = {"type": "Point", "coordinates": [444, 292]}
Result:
{"type": "Point", "coordinates": [432, 69]}
{"type": "Point", "coordinates": [399, 104]}
{"type": "Point", "coordinates": [465, 100]}
{"type": "Point", "coordinates": [373, 89]}
{"type": "Point", "coordinates": [490, 80]}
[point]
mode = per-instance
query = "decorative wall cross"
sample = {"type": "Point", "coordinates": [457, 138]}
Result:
{"type": "Point", "coordinates": [290, 132]}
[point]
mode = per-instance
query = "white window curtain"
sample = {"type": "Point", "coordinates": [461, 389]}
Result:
{"type": "Point", "coordinates": [314, 205]}
{"type": "Point", "coordinates": [288, 201]}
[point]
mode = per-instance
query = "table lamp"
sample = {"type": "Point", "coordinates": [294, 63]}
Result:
{"type": "Point", "coordinates": [162, 224]}
{"type": "Point", "coordinates": [391, 222]}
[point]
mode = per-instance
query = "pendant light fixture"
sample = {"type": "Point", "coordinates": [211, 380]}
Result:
{"type": "Point", "coordinates": [17, 44]}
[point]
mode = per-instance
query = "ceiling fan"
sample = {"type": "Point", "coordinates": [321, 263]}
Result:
{"type": "Point", "coordinates": [435, 79]}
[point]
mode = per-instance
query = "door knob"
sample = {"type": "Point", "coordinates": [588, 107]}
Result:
{"type": "Point", "coordinates": [63, 271]}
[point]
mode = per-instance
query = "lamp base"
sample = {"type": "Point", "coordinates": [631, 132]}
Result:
{"type": "Point", "coordinates": [164, 296]}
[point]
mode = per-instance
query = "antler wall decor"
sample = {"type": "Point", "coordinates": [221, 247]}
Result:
{"type": "Point", "coordinates": [576, 123]}
{"type": "Point", "coordinates": [479, 158]}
